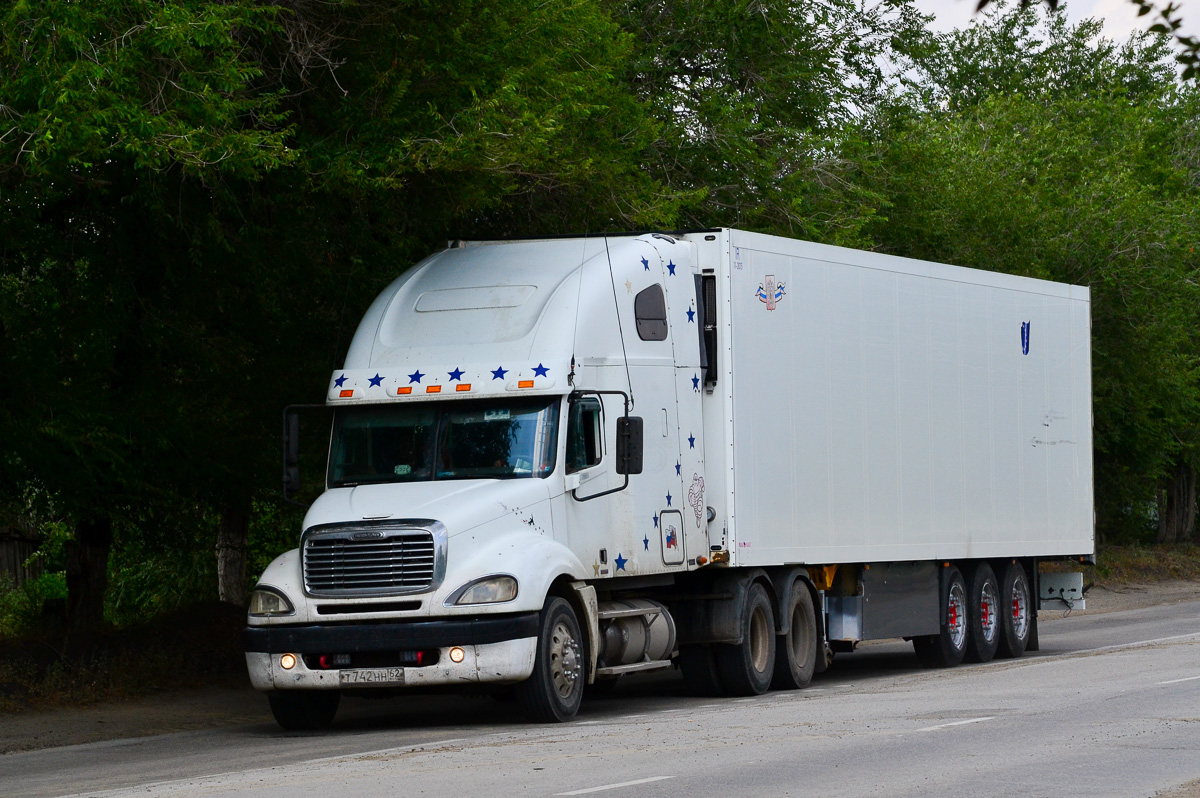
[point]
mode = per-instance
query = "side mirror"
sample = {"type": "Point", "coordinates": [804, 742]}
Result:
{"type": "Point", "coordinates": [629, 445]}
{"type": "Point", "coordinates": [291, 452]}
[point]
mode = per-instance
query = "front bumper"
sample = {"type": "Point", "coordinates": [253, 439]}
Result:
{"type": "Point", "coordinates": [499, 649]}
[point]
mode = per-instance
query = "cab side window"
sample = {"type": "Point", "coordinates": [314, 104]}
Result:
{"type": "Point", "coordinates": [650, 312]}
{"type": "Point", "coordinates": [584, 431]}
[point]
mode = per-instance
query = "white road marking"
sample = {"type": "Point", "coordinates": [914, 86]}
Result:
{"type": "Point", "coordinates": [1177, 681]}
{"type": "Point", "coordinates": [615, 786]}
{"type": "Point", "coordinates": [956, 723]}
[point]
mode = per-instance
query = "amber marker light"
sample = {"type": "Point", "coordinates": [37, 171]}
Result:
{"type": "Point", "coordinates": [346, 394]}
{"type": "Point", "coordinates": [457, 654]}
{"type": "Point", "coordinates": [525, 384]}
{"type": "Point", "coordinates": [404, 391]}
{"type": "Point", "coordinates": [463, 386]}
{"type": "Point", "coordinates": [433, 389]}
{"type": "Point", "coordinates": [287, 661]}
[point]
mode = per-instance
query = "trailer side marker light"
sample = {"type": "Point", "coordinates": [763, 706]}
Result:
{"type": "Point", "coordinates": [404, 391]}
{"type": "Point", "coordinates": [463, 386]}
{"type": "Point", "coordinates": [346, 394]}
{"type": "Point", "coordinates": [457, 654]}
{"type": "Point", "coordinates": [433, 389]}
{"type": "Point", "coordinates": [287, 661]}
{"type": "Point", "coordinates": [525, 384]}
{"type": "Point", "coordinates": [701, 561]}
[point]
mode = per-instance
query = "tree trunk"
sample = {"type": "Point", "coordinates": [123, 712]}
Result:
{"type": "Point", "coordinates": [1177, 507]}
{"type": "Point", "coordinates": [231, 554]}
{"type": "Point", "coordinates": [87, 581]}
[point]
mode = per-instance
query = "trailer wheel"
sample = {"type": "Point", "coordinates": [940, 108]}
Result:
{"type": "Point", "coordinates": [746, 668]}
{"type": "Point", "coordinates": [796, 652]}
{"type": "Point", "coordinates": [553, 691]}
{"type": "Point", "coordinates": [304, 710]}
{"type": "Point", "coordinates": [948, 647]}
{"type": "Point", "coordinates": [1015, 612]}
{"type": "Point", "coordinates": [983, 612]}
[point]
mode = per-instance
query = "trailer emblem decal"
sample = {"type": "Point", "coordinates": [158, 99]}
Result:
{"type": "Point", "coordinates": [678, 468]}
{"type": "Point", "coordinates": [1025, 338]}
{"type": "Point", "coordinates": [770, 292]}
{"type": "Point", "coordinates": [696, 497]}
{"type": "Point", "coordinates": [668, 499]}
{"type": "Point", "coordinates": [499, 373]}
{"type": "Point", "coordinates": [540, 371]}
{"type": "Point", "coordinates": [691, 441]}
{"type": "Point", "coordinates": [672, 538]}
{"type": "Point", "coordinates": [646, 543]}
{"type": "Point", "coordinates": [415, 377]}
{"type": "Point", "coordinates": [456, 374]}
{"type": "Point", "coordinates": [671, 268]}
{"type": "Point", "coordinates": [375, 381]}
{"type": "Point", "coordinates": [340, 381]}
{"type": "Point", "coordinates": [696, 383]}
{"type": "Point", "coordinates": [645, 264]}
{"type": "Point", "coordinates": [620, 561]}
{"type": "Point", "coordinates": [691, 315]}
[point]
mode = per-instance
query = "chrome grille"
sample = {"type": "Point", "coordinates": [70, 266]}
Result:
{"type": "Point", "coordinates": [349, 561]}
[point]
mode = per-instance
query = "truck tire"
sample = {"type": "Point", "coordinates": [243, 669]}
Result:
{"type": "Point", "coordinates": [983, 605]}
{"type": "Point", "coordinates": [699, 666]}
{"type": "Point", "coordinates": [796, 652]}
{"type": "Point", "coordinates": [746, 668]}
{"type": "Point", "coordinates": [1016, 608]}
{"type": "Point", "coordinates": [553, 691]}
{"type": "Point", "coordinates": [948, 647]}
{"type": "Point", "coordinates": [304, 710]}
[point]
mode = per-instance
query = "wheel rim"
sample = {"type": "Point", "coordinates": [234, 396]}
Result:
{"type": "Point", "coordinates": [956, 605]}
{"type": "Point", "coordinates": [988, 604]}
{"type": "Point", "coordinates": [1020, 607]}
{"type": "Point", "coordinates": [565, 662]}
{"type": "Point", "coordinates": [760, 641]}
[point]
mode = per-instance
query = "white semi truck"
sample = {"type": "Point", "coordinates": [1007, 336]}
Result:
{"type": "Point", "coordinates": [557, 461]}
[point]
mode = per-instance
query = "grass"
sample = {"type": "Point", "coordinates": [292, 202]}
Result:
{"type": "Point", "coordinates": [1120, 565]}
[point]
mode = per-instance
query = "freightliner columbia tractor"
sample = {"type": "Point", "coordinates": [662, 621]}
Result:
{"type": "Point", "coordinates": [554, 462]}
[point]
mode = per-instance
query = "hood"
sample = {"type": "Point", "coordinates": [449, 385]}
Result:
{"type": "Point", "coordinates": [460, 505]}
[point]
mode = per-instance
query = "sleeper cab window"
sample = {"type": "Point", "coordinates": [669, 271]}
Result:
{"type": "Point", "coordinates": [650, 311]}
{"type": "Point", "coordinates": [583, 434]}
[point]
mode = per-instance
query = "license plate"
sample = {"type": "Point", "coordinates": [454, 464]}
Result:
{"type": "Point", "coordinates": [372, 676]}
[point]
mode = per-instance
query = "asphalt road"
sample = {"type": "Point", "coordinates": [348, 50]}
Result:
{"type": "Point", "coordinates": [1109, 707]}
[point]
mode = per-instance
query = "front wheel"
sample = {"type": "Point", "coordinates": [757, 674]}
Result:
{"type": "Point", "coordinates": [553, 691]}
{"type": "Point", "coordinates": [304, 710]}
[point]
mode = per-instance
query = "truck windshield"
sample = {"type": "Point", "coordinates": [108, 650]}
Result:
{"type": "Point", "coordinates": [495, 439]}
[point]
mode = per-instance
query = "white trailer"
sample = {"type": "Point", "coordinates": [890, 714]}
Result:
{"type": "Point", "coordinates": [557, 461]}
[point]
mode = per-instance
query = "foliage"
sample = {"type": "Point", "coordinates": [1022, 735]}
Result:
{"type": "Point", "coordinates": [1089, 179]}
{"type": "Point", "coordinates": [21, 606]}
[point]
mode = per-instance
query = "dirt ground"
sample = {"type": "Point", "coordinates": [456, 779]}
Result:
{"type": "Point", "coordinates": [188, 710]}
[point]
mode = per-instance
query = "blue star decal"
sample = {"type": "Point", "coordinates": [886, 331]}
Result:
{"type": "Point", "coordinates": [695, 382]}
{"type": "Point", "coordinates": [668, 500]}
{"type": "Point", "coordinates": [671, 268]}
{"type": "Point", "coordinates": [499, 373]}
{"type": "Point", "coordinates": [691, 441]}
{"type": "Point", "coordinates": [540, 371]}
{"type": "Point", "coordinates": [645, 264]}
{"type": "Point", "coordinates": [456, 374]}
{"type": "Point", "coordinates": [375, 381]}
{"type": "Point", "coordinates": [620, 561]}
{"type": "Point", "coordinates": [678, 466]}
{"type": "Point", "coordinates": [656, 522]}
{"type": "Point", "coordinates": [646, 543]}
{"type": "Point", "coordinates": [691, 316]}
{"type": "Point", "coordinates": [340, 381]}
{"type": "Point", "coordinates": [415, 377]}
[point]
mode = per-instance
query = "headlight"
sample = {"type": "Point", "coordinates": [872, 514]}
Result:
{"type": "Point", "coordinates": [267, 602]}
{"type": "Point", "coordinates": [489, 590]}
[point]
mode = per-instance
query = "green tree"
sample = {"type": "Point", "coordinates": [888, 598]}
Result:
{"type": "Point", "coordinates": [1083, 172]}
